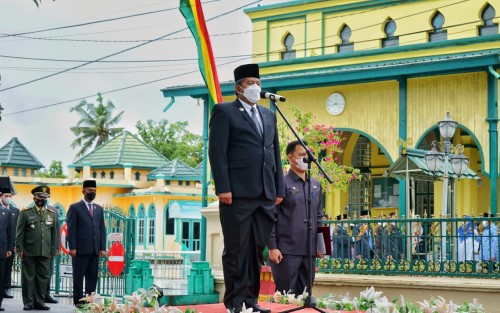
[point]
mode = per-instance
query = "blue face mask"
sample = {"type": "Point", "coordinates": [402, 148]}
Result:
{"type": "Point", "coordinates": [48, 201]}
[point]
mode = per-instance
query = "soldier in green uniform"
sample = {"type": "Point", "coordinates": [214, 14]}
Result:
{"type": "Point", "coordinates": [36, 244]}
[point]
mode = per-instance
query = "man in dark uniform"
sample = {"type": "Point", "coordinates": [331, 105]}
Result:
{"type": "Point", "coordinates": [87, 241]}
{"type": "Point", "coordinates": [6, 202]}
{"type": "Point", "coordinates": [245, 160]}
{"type": "Point", "coordinates": [6, 246]}
{"type": "Point", "coordinates": [392, 240]}
{"type": "Point", "coordinates": [363, 238]}
{"type": "Point", "coordinates": [341, 239]}
{"type": "Point", "coordinates": [36, 243]}
{"type": "Point", "coordinates": [288, 242]}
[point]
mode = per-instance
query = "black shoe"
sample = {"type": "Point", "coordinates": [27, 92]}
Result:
{"type": "Point", "coordinates": [42, 307]}
{"type": "Point", "coordinates": [7, 296]}
{"type": "Point", "coordinates": [257, 308]}
{"type": "Point", "coordinates": [28, 307]}
{"type": "Point", "coordinates": [49, 299]}
{"type": "Point", "coordinates": [2, 309]}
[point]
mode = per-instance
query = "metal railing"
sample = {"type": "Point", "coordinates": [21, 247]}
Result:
{"type": "Point", "coordinates": [414, 247]}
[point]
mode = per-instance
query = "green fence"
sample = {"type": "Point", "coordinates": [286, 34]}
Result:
{"type": "Point", "coordinates": [418, 246]}
{"type": "Point", "coordinates": [118, 228]}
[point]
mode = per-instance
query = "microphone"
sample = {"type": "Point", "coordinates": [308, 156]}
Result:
{"type": "Point", "coordinates": [267, 95]}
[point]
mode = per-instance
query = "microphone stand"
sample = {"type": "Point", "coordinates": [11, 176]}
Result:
{"type": "Point", "coordinates": [310, 301]}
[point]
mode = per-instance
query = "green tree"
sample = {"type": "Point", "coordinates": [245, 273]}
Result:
{"type": "Point", "coordinates": [95, 126]}
{"type": "Point", "coordinates": [55, 170]}
{"type": "Point", "coordinates": [172, 140]}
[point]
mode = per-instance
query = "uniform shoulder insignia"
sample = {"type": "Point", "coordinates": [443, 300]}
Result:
{"type": "Point", "coordinates": [51, 209]}
{"type": "Point", "coordinates": [25, 208]}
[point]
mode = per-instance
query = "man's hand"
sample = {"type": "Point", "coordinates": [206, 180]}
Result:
{"type": "Point", "coordinates": [9, 253]}
{"type": "Point", "coordinates": [226, 198]}
{"type": "Point", "coordinates": [275, 255]}
{"type": "Point", "coordinates": [102, 253]}
{"type": "Point", "coordinates": [278, 200]}
{"type": "Point", "coordinates": [72, 252]}
{"type": "Point", "coordinates": [58, 251]}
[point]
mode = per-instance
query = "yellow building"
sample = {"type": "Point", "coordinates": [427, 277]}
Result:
{"type": "Point", "coordinates": [164, 196]}
{"type": "Point", "coordinates": [384, 73]}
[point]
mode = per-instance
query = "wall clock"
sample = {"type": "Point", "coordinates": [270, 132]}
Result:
{"type": "Point", "coordinates": [335, 103]}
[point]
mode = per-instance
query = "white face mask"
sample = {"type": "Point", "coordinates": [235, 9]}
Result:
{"type": "Point", "coordinates": [252, 93]}
{"type": "Point", "coordinates": [485, 223]}
{"type": "Point", "coordinates": [345, 225]}
{"type": "Point", "coordinates": [301, 164]}
{"type": "Point", "coordinates": [7, 201]}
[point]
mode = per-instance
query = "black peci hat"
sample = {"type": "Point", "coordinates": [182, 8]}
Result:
{"type": "Point", "coordinates": [488, 215]}
{"type": "Point", "coordinates": [339, 217]}
{"type": "Point", "coordinates": [89, 183]}
{"type": "Point", "coordinates": [246, 70]}
{"type": "Point", "coordinates": [5, 190]}
{"type": "Point", "coordinates": [365, 213]}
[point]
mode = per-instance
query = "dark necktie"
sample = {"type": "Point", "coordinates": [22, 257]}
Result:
{"type": "Point", "coordinates": [256, 120]}
{"type": "Point", "coordinates": [91, 209]}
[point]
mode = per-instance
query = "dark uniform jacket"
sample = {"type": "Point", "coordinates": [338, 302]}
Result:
{"type": "Point", "coordinates": [14, 216]}
{"type": "Point", "coordinates": [392, 242]}
{"type": "Point", "coordinates": [362, 247]}
{"type": "Point", "coordinates": [289, 233]}
{"type": "Point", "coordinates": [86, 234]}
{"type": "Point", "coordinates": [36, 235]}
{"type": "Point", "coordinates": [237, 150]}
{"type": "Point", "coordinates": [6, 239]}
{"type": "Point", "coordinates": [341, 243]}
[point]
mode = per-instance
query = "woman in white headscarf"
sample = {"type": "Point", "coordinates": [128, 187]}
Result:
{"type": "Point", "coordinates": [467, 240]}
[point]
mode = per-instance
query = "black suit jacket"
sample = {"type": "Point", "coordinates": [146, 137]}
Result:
{"type": "Point", "coordinates": [14, 216]}
{"type": "Point", "coordinates": [6, 239]}
{"type": "Point", "coordinates": [242, 161]}
{"type": "Point", "coordinates": [86, 234]}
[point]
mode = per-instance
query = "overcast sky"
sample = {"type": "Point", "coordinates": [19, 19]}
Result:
{"type": "Point", "coordinates": [46, 131]}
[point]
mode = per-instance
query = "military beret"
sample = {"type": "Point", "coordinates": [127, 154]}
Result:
{"type": "Point", "coordinates": [89, 183]}
{"type": "Point", "coordinates": [246, 70]}
{"type": "Point", "coordinates": [41, 191]}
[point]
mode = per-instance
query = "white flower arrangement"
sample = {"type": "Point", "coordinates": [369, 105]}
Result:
{"type": "Point", "coordinates": [371, 301]}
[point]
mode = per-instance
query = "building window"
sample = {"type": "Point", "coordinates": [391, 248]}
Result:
{"type": "Point", "coordinates": [289, 53]}
{"type": "Point", "coordinates": [359, 191]}
{"type": "Point", "coordinates": [391, 40]}
{"type": "Point", "coordinates": [32, 172]}
{"type": "Point", "coordinates": [181, 183]}
{"type": "Point", "coordinates": [137, 176]}
{"type": "Point", "coordinates": [4, 171]}
{"type": "Point", "coordinates": [167, 182]}
{"type": "Point", "coordinates": [112, 175]}
{"type": "Point", "coordinates": [345, 35]}
{"type": "Point", "coordinates": [103, 174]}
{"type": "Point", "coordinates": [169, 223]}
{"type": "Point", "coordinates": [94, 174]}
{"type": "Point", "coordinates": [438, 33]}
{"type": "Point", "coordinates": [24, 172]}
{"type": "Point", "coordinates": [151, 225]}
{"type": "Point", "coordinates": [16, 172]}
{"type": "Point", "coordinates": [488, 27]}
{"type": "Point", "coordinates": [141, 223]}
{"type": "Point", "coordinates": [188, 183]}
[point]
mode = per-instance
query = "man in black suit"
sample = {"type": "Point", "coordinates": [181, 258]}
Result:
{"type": "Point", "coordinates": [87, 241]}
{"type": "Point", "coordinates": [291, 264]}
{"type": "Point", "coordinates": [246, 166]}
{"type": "Point", "coordinates": [6, 246]}
{"type": "Point", "coordinates": [6, 203]}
